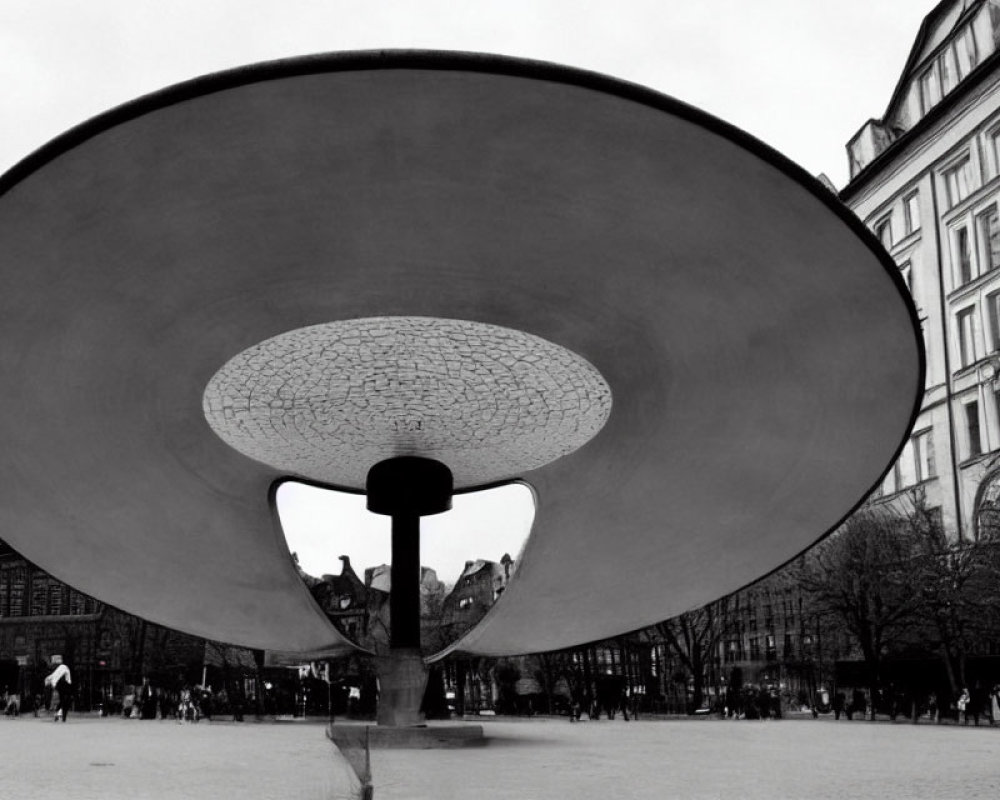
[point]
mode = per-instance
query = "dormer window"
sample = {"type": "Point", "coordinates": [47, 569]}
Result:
{"type": "Point", "coordinates": [956, 60]}
{"type": "Point", "coordinates": [965, 48]}
{"type": "Point", "coordinates": [949, 71]}
{"type": "Point", "coordinates": [930, 89]}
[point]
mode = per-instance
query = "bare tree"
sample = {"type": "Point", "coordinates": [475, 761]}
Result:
{"type": "Point", "coordinates": [693, 637]}
{"type": "Point", "coordinates": [870, 577]}
{"type": "Point", "coordinates": [961, 584]}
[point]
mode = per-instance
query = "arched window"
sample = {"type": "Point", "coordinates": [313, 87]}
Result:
{"type": "Point", "coordinates": [988, 508]}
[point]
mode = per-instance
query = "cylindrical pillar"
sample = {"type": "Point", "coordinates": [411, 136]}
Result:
{"type": "Point", "coordinates": [404, 599]}
{"type": "Point", "coordinates": [405, 488]}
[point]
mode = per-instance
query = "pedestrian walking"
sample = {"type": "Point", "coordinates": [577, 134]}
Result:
{"type": "Point", "coordinates": [839, 701]}
{"type": "Point", "coordinates": [859, 704]}
{"type": "Point", "coordinates": [185, 709]}
{"type": "Point", "coordinates": [963, 706]}
{"type": "Point", "coordinates": [61, 680]}
{"type": "Point", "coordinates": [11, 703]}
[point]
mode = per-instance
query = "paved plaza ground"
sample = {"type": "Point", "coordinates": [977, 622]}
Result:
{"type": "Point", "coordinates": [89, 757]}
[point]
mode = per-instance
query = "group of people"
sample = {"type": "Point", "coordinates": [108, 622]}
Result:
{"type": "Point", "coordinates": [857, 705]}
{"type": "Point", "coordinates": [752, 702]}
{"type": "Point", "coordinates": [190, 703]}
{"type": "Point", "coordinates": [980, 702]}
{"type": "Point", "coordinates": [609, 697]}
{"type": "Point", "coordinates": [187, 704]}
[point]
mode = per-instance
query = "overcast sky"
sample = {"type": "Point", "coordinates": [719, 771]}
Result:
{"type": "Point", "coordinates": [801, 75]}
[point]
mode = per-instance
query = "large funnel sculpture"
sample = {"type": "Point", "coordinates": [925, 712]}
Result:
{"type": "Point", "coordinates": [695, 355]}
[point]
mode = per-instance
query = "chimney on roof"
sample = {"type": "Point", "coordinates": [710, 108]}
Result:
{"type": "Point", "coordinates": [506, 561]}
{"type": "Point", "coordinates": [346, 568]}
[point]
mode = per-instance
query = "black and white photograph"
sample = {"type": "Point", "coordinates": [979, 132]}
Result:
{"type": "Point", "coordinates": [435, 400]}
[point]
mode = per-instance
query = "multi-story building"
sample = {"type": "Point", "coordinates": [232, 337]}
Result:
{"type": "Point", "coordinates": [476, 590]}
{"type": "Point", "coordinates": [925, 177]}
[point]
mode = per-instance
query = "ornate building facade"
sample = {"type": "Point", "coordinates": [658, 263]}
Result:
{"type": "Point", "coordinates": [925, 177]}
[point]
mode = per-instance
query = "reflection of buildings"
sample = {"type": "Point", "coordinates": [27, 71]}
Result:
{"type": "Point", "coordinates": [925, 177]}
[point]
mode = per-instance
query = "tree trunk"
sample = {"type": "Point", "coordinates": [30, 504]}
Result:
{"type": "Point", "coordinates": [258, 658]}
{"type": "Point", "coordinates": [698, 676]}
{"type": "Point", "coordinates": [949, 668]}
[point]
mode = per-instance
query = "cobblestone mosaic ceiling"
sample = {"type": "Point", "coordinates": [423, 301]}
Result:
{"type": "Point", "coordinates": [329, 401]}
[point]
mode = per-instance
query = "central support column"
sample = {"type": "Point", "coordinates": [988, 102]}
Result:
{"type": "Point", "coordinates": [405, 488]}
{"type": "Point", "coordinates": [404, 599]}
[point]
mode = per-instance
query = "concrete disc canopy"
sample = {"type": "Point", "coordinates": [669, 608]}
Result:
{"type": "Point", "coordinates": [761, 353]}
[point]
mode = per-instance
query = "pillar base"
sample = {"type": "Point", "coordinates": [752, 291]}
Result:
{"type": "Point", "coordinates": [402, 679]}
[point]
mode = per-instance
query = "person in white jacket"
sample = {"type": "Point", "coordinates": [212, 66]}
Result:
{"type": "Point", "coordinates": [62, 681]}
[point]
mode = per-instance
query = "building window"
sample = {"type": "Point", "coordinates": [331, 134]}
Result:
{"type": "Point", "coordinates": [906, 272]}
{"type": "Point", "coordinates": [930, 89]}
{"type": "Point", "coordinates": [972, 428]}
{"type": "Point", "coordinates": [949, 71]}
{"type": "Point", "coordinates": [883, 231]}
{"type": "Point", "coordinates": [771, 649]}
{"type": "Point", "coordinates": [993, 314]}
{"type": "Point", "coordinates": [967, 336]}
{"type": "Point", "coordinates": [996, 401]}
{"type": "Point", "coordinates": [988, 228]}
{"type": "Point", "coordinates": [963, 255]}
{"type": "Point", "coordinates": [893, 480]}
{"type": "Point", "coordinates": [911, 212]}
{"type": "Point", "coordinates": [958, 181]}
{"type": "Point", "coordinates": [988, 513]}
{"type": "Point", "coordinates": [965, 49]}
{"type": "Point", "coordinates": [754, 649]}
{"type": "Point", "coordinates": [923, 455]}
{"type": "Point", "coordinates": [956, 61]}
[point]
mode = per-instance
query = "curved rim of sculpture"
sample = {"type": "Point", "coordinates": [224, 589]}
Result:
{"type": "Point", "coordinates": [514, 82]}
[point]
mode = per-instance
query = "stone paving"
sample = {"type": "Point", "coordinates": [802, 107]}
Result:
{"type": "Point", "coordinates": [702, 760]}
{"type": "Point", "coordinates": [89, 757]}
